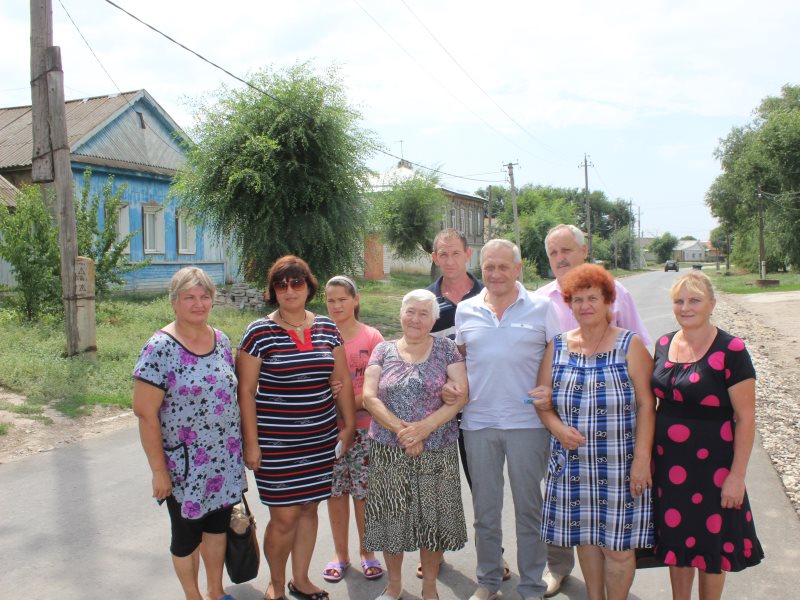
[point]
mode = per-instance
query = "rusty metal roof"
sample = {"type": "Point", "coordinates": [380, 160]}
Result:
{"type": "Point", "coordinates": [129, 130]}
{"type": "Point", "coordinates": [7, 192]}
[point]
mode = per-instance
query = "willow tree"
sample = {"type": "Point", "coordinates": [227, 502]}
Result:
{"type": "Point", "coordinates": [279, 167]}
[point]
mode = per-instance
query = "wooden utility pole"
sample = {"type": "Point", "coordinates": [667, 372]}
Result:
{"type": "Point", "coordinates": [490, 215]}
{"type": "Point", "coordinates": [51, 160]}
{"type": "Point", "coordinates": [762, 254]}
{"type": "Point", "coordinates": [586, 164]}
{"type": "Point", "coordinates": [514, 207]}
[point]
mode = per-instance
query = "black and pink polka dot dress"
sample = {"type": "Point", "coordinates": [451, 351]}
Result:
{"type": "Point", "coordinates": [693, 452]}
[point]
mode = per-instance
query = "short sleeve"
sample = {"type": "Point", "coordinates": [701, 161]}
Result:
{"type": "Point", "coordinates": [451, 352]}
{"type": "Point", "coordinates": [151, 366]}
{"type": "Point", "coordinates": [252, 339]}
{"type": "Point", "coordinates": [738, 364]}
{"type": "Point", "coordinates": [378, 354]}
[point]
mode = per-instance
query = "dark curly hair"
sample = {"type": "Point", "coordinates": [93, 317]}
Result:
{"type": "Point", "coordinates": [586, 276]}
{"type": "Point", "coordinates": [287, 267]}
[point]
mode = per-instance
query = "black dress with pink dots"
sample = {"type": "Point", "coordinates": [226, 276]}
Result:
{"type": "Point", "coordinates": [693, 452]}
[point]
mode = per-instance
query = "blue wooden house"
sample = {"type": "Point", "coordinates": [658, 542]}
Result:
{"type": "Point", "coordinates": [132, 138]}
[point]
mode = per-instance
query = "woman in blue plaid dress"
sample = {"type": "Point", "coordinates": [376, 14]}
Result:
{"type": "Point", "coordinates": [601, 416]}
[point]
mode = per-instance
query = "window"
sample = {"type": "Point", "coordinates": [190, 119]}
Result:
{"type": "Point", "coordinates": [453, 218]}
{"type": "Point", "coordinates": [187, 235]}
{"type": "Point", "coordinates": [470, 222]}
{"type": "Point", "coordinates": [153, 228]}
{"type": "Point", "coordinates": [124, 226]}
{"type": "Point", "coordinates": [463, 224]}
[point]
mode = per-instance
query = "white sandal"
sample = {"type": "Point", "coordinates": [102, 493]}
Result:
{"type": "Point", "coordinates": [385, 596]}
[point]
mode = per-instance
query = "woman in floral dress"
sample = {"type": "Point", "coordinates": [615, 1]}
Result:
{"type": "Point", "coordinates": [191, 427]}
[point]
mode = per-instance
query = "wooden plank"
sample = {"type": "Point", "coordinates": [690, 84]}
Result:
{"type": "Point", "coordinates": [41, 39]}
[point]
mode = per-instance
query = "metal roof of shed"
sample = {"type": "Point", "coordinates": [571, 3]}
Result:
{"type": "Point", "coordinates": [7, 192]}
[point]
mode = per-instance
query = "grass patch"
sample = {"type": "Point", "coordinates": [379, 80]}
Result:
{"type": "Point", "coordinates": [744, 283]}
{"type": "Point", "coordinates": [34, 365]}
{"type": "Point", "coordinates": [4, 428]}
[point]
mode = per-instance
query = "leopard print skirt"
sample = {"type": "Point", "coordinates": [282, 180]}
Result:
{"type": "Point", "coordinates": [414, 502]}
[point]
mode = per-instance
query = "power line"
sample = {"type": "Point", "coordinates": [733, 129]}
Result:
{"type": "Point", "coordinates": [477, 85]}
{"type": "Point", "coordinates": [278, 100]}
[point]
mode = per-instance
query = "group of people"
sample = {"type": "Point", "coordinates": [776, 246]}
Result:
{"type": "Point", "coordinates": [556, 386]}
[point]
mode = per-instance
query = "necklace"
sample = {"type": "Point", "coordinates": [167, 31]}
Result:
{"type": "Point", "coordinates": [597, 345]}
{"type": "Point", "coordinates": [298, 327]}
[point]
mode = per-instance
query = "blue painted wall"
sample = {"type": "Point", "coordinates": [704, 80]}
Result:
{"type": "Point", "coordinates": [143, 188]}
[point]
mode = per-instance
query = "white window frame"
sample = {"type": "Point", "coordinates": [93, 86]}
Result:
{"type": "Point", "coordinates": [186, 234]}
{"type": "Point", "coordinates": [153, 223]}
{"type": "Point", "coordinates": [453, 218]}
{"type": "Point", "coordinates": [124, 226]}
{"type": "Point", "coordinates": [463, 223]}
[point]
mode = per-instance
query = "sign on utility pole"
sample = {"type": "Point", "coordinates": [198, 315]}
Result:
{"type": "Point", "coordinates": [51, 160]}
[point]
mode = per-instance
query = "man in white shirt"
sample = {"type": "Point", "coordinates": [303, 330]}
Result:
{"type": "Point", "coordinates": [503, 332]}
{"type": "Point", "coordinates": [566, 250]}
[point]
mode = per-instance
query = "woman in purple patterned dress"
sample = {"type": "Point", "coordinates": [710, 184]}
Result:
{"type": "Point", "coordinates": [414, 499]}
{"type": "Point", "coordinates": [191, 427]}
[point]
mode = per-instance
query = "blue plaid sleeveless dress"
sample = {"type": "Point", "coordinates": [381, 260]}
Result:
{"type": "Point", "coordinates": [587, 494]}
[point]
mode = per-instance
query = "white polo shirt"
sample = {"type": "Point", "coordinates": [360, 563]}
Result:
{"type": "Point", "coordinates": [503, 358]}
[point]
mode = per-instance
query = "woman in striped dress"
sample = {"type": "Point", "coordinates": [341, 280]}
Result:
{"type": "Point", "coordinates": [285, 362]}
{"type": "Point", "coordinates": [602, 418]}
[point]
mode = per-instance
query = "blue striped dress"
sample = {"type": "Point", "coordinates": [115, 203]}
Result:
{"type": "Point", "coordinates": [295, 410]}
{"type": "Point", "coordinates": [587, 494]}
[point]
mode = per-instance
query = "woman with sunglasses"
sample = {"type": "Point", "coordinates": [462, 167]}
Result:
{"type": "Point", "coordinates": [285, 363]}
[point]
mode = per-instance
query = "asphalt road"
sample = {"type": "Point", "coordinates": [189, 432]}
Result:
{"type": "Point", "coordinates": [77, 523]}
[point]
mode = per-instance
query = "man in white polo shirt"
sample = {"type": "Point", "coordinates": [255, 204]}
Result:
{"type": "Point", "coordinates": [503, 332]}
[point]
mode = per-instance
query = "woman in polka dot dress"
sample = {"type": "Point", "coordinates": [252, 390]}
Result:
{"type": "Point", "coordinates": [705, 425]}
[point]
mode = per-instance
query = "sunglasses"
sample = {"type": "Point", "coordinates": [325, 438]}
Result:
{"type": "Point", "coordinates": [297, 283]}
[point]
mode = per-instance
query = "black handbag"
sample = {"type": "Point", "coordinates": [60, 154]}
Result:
{"type": "Point", "coordinates": [242, 556]}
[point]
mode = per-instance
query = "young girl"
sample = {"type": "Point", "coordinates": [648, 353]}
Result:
{"type": "Point", "coordinates": [350, 473]}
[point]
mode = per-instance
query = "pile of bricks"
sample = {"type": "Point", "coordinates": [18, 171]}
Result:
{"type": "Point", "coordinates": [241, 296]}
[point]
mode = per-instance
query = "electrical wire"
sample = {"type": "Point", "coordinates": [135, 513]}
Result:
{"type": "Point", "coordinates": [281, 102]}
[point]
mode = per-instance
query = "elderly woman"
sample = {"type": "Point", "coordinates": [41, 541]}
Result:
{"type": "Point", "coordinates": [191, 428]}
{"type": "Point", "coordinates": [705, 425]}
{"type": "Point", "coordinates": [285, 364]}
{"type": "Point", "coordinates": [601, 418]}
{"type": "Point", "coordinates": [414, 499]}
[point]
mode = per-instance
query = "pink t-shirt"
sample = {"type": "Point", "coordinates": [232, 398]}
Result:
{"type": "Point", "coordinates": [358, 351]}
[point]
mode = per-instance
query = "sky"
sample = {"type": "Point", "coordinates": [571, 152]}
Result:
{"type": "Point", "coordinates": [646, 89]}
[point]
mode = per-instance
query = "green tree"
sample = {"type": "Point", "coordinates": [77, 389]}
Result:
{"type": "Point", "coordinates": [98, 240]}
{"type": "Point", "coordinates": [281, 171]}
{"type": "Point", "coordinates": [663, 246]}
{"type": "Point", "coordinates": [410, 214]}
{"type": "Point", "coordinates": [688, 237]}
{"type": "Point", "coordinates": [29, 243]}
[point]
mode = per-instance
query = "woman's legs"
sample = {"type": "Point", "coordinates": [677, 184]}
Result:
{"type": "Point", "coordinates": [394, 571]}
{"type": "Point", "coordinates": [279, 538]}
{"type": "Point", "coordinates": [359, 510]}
{"type": "Point", "coordinates": [711, 585]}
{"type": "Point", "coordinates": [187, 568]}
{"type": "Point", "coordinates": [303, 547]}
{"type": "Point", "coordinates": [339, 515]}
{"type": "Point", "coordinates": [212, 549]}
{"type": "Point", "coordinates": [430, 571]}
{"type": "Point", "coordinates": [620, 567]}
{"type": "Point", "coordinates": [682, 580]}
{"type": "Point", "coordinates": [593, 569]}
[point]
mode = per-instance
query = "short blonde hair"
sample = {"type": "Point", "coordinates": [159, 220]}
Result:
{"type": "Point", "coordinates": [696, 282]}
{"type": "Point", "coordinates": [421, 295]}
{"type": "Point", "coordinates": [501, 243]}
{"type": "Point", "coordinates": [189, 277]}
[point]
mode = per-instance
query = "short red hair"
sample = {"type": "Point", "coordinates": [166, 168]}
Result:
{"type": "Point", "coordinates": [585, 277]}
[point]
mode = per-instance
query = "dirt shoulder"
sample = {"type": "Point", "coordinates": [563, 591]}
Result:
{"type": "Point", "coordinates": [769, 323]}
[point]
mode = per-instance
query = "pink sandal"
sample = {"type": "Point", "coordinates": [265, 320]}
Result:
{"type": "Point", "coordinates": [372, 568]}
{"type": "Point", "coordinates": [334, 571]}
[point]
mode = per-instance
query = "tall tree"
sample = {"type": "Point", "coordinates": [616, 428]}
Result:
{"type": "Point", "coordinates": [280, 168]}
{"type": "Point", "coordinates": [663, 246]}
{"type": "Point", "coordinates": [410, 214]}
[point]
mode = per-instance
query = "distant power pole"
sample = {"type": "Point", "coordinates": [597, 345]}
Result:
{"type": "Point", "coordinates": [51, 160]}
{"type": "Point", "coordinates": [631, 237]}
{"type": "Point", "coordinates": [762, 254]}
{"type": "Point", "coordinates": [514, 205]}
{"type": "Point", "coordinates": [586, 164]}
{"type": "Point", "coordinates": [489, 232]}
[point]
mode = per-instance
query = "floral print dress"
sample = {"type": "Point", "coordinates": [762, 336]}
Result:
{"type": "Point", "coordinates": [200, 422]}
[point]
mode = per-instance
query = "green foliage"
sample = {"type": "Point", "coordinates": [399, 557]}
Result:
{"type": "Point", "coordinates": [410, 214]}
{"type": "Point", "coordinates": [663, 246]}
{"type": "Point", "coordinates": [762, 157]}
{"type": "Point", "coordinates": [29, 243]}
{"type": "Point", "coordinates": [100, 242]}
{"type": "Point", "coordinates": [4, 427]}
{"type": "Point", "coordinates": [281, 173]}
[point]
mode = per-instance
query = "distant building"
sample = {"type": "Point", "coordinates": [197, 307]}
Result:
{"type": "Point", "coordinates": [132, 138]}
{"type": "Point", "coordinates": [464, 212]}
{"type": "Point", "coordinates": [689, 251]}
